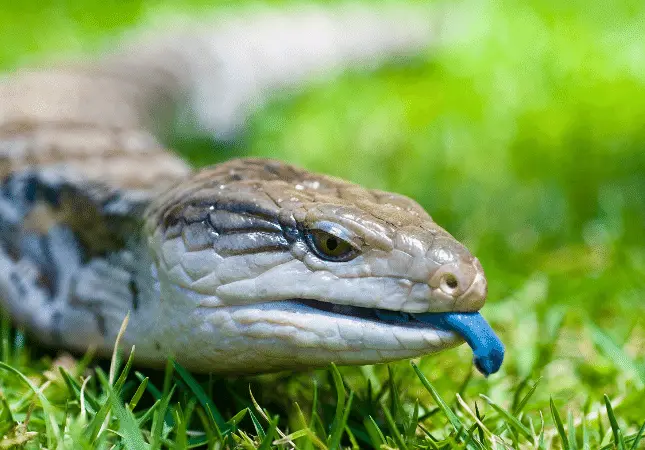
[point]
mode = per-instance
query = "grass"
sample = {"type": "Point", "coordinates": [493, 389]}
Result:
{"type": "Point", "coordinates": [524, 137]}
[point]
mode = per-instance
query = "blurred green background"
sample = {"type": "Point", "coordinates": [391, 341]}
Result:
{"type": "Point", "coordinates": [524, 136]}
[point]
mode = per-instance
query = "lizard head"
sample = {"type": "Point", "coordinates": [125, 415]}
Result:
{"type": "Point", "coordinates": [284, 268]}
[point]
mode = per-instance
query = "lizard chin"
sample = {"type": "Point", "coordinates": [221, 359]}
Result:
{"type": "Point", "coordinates": [293, 334]}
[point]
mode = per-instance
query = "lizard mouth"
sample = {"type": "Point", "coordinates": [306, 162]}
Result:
{"type": "Point", "coordinates": [488, 349]}
{"type": "Point", "coordinates": [398, 318]}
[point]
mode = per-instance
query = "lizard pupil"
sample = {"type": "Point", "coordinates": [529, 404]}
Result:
{"type": "Point", "coordinates": [329, 247]}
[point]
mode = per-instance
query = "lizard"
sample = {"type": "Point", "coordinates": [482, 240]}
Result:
{"type": "Point", "coordinates": [249, 266]}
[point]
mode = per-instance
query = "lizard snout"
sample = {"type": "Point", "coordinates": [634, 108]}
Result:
{"type": "Point", "coordinates": [465, 282]}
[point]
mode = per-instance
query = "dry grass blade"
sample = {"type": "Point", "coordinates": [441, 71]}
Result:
{"type": "Point", "coordinates": [261, 412]}
{"type": "Point", "coordinates": [114, 362]}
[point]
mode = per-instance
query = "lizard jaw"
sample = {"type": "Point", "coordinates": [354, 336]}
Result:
{"type": "Point", "coordinates": [487, 348]}
{"type": "Point", "coordinates": [289, 334]}
{"type": "Point", "coordinates": [303, 334]}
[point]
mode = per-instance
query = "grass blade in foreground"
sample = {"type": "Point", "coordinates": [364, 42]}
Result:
{"type": "Point", "coordinates": [204, 400]}
{"type": "Point", "coordinates": [510, 419]}
{"type": "Point", "coordinates": [396, 434]}
{"type": "Point", "coordinates": [51, 427]}
{"type": "Point", "coordinates": [618, 435]}
{"type": "Point", "coordinates": [639, 435]}
{"type": "Point", "coordinates": [340, 417]}
{"type": "Point", "coordinates": [560, 427]}
{"type": "Point", "coordinates": [449, 413]}
{"type": "Point", "coordinates": [132, 437]}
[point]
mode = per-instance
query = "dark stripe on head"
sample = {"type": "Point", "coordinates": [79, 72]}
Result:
{"type": "Point", "coordinates": [197, 212]}
{"type": "Point", "coordinates": [249, 243]}
{"type": "Point", "coordinates": [134, 292]}
{"type": "Point", "coordinates": [224, 221]}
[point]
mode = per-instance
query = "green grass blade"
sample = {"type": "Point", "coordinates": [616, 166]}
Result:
{"type": "Point", "coordinates": [158, 421]}
{"type": "Point", "coordinates": [74, 388]}
{"type": "Point", "coordinates": [340, 401]}
{"type": "Point", "coordinates": [212, 438]}
{"type": "Point", "coordinates": [516, 394]}
{"type": "Point", "coordinates": [352, 438]}
{"type": "Point", "coordinates": [511, 420]}
{"type": "Point", "coordinates": [128, 426]}
{"type": "Point", "coordinates": [338, 428]}
{"type": "Point", "coordinates": [314, 404]}
{"type": "Point", "coordinates": [308, 444]}
{"type": "Point", "coordinates": [271, 432]}
{"type": "Point", "coordinates": [154, 391]}
{"type": "Point", "coordinates": [601, 427]}
{"type": "Point", "coordinates": [482, 437]}
{"type": "Point", "coordinates": [134, 401]}
{"type": "Point", "coordinates": [618, 435]}
{"type": "Point", "coordinates": [7, 422]}
{"type": "Point", "coordinates": [374, 432]}
{"type": "Point", "coordinates": [639, 435]}
{"type": "Point", "coordinates": [181, 439]}
{"type": "Point", "coordinates": [94, 427]}
{"type": "Point", "coordinates": [396, 408]}
{"type": "Point", "coordinates": [522, 403]}
{"type": "Point", "coordinates": [102, 377]}
{"type": "Point", "coordinates": [188, 411]}
{"type": "Point", "coordinates": [448, 412]}
{"type": "Point", "coordinates": [237, 418]}
{"type": "Point", "coordinates": [470, 438]}
{"type": "Point", "coordinates": [256, 424]}
{"type": "Point", "coordinates": [51, 427]}
{"type": "Point", "coordinates": [293, 436]}
{"type": "Point", "coordinates": [541, 445]}
{"type": "Point", "coordinates": [585, 433]}
{"type": "Point", "coordinates": [572, 431]}
{"type": "Point", "coordinates": [558, 424]}
{"type": "Point", "coordinates": [396, 435]}
{"type": "Point", "coordinates": [413, 421]}
{"type": "Point", "coordinates": [118, 385]}
{"type": "Point", "coordinates": [148, 413]}
{"type": "Point", "coordinates": [201, 396]}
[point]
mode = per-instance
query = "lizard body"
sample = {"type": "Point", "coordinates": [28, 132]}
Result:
{"type": "Point", "coordinates": [248, 266]}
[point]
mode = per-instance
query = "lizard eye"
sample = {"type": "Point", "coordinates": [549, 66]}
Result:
{"type": "Point", "coordinates": [329, 247]}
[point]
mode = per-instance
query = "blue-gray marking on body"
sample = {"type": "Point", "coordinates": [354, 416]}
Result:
{"type": "Point", "coordinates": [488, 350]}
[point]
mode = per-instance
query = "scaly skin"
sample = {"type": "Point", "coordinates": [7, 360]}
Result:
{"type": "Point", "coordinates": [231, 252]}
{"type": "Point", "coordinates": [220, 268]}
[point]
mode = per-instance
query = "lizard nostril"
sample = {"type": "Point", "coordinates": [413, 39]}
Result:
{"type": "Point", "coordinates": [475, 295]}
{"type": "Point", "coordinates": [449, 283]}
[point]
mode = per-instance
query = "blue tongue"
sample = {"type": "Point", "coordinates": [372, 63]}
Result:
{"type": "Point", "coordinates": [488, 350]}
